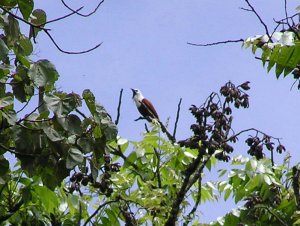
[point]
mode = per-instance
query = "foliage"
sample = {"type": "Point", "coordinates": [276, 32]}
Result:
{"type": "Point", "coordinates": [74, 169]}
{"type": "Point", "coordinates": [281, 48]}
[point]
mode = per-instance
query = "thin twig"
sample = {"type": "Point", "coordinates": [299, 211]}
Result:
{"type": "Point", "coordinates": [260, 19]}
{"type": "Point", "coordinates": [158, 168]}
{"type": "Point", "coordinates": [177, 118]}
{"type": "Point", "coordinates": [119, 107]}
{"type": "Point", "coordinates": [79, 112]}
{"type": "Point", "coordinates": [216, 43]}
{"type": "Point", "coordinates": [25, 105]}
{"type": "Point", "coordinates": [49, 35]}
{"type": "Point", "coordinates": [191, 213]}
{"type": "Point", "coordinates": [97, 210]}
{"type": "Point", "coordinates": [62, 17]}
{"type": "Point", "coordinates": [69, 52]}
{"type": "Point", "coordinates": [83, 15]}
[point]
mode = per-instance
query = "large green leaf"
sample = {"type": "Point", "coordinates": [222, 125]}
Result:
{"type": "Point", "coordinates": [71, 124]}
{"type": "Point", "coordinates": [52, 134]}
{"type": "Point", "coordinates": [12, 31]}
{"type": "Point", "coordinates": [25, 46]}
{"type": "Point", "coordinates": [101, 117]}
{"type": "Point", "coordinates": [43, 73]}
{"type": "Point", "coordinates": [3, 49]}
{"type": "Point", "coordinates": [61, 103]}
{"type": "Point", "coordinates": [6, 101]}
{"type": "Point", "coordinates": [74, 158]}
{"type": "Point", "coordinates": [46, 197]}
{"type": "Point", "coordinates": [26, 7]}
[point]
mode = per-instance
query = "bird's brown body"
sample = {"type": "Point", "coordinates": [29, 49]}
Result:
{"type": "Point", "coordinates": [144, 106]}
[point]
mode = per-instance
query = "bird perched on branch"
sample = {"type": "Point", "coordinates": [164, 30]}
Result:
{"type": "Point", "coordinates": [144, 106]}
{"type": "Point", "coordinates": [148, 111]}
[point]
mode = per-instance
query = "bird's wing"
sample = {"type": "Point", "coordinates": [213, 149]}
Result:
{"type": "Point", "coordinates": [149, 106]}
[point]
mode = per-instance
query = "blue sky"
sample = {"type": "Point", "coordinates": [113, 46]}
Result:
{"type": "Point", "coordinates": [144, 46]}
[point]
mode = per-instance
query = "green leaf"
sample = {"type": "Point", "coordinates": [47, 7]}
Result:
{"type": "Point", "coordinates": [74, 158]}
{"type": "Point", "coordinates": [25, 46]}
{"type": "Point", "coordinates": [47, 198]}
{"type": "Point", "coordinates": [6, 101]}
{"type": "Point", "coordinates": [4, 165]}
{"type": "Point", "coordinates": [89, 98]}
{"type": "Point", "coordinates": [38, 18]}
{"type": "Point", "coordinates": [52, 134]}
{"type": "Point", "coordinates": [26, 7]}
{"type": "Point", "coordinates": [12, 31]}
{"type": "Point", "coordinates": [191, 153]}
{"type": "Point", "coordinates": [273, 57]}
{"type": "Point", "coordinates": [71, 123]}
{"type": "Point", "coordinates": [278, 70]}
{"type": "Point", "coordinates": [43, 73]}
{"type": "Point", "coordinates": [10, 115]}
{"type": "Point", "coordinates": [61, 103]}
{"type": "Point", "coordinates": [3, 50]}
{"type": "Point", "coordinates": [86, 144]}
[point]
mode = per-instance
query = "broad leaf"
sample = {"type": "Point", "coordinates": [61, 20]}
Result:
{"type": "Point", "coordinates": [43, 73]}
{"type": "Point", "coordinates": [26, 7]}
{"type": "Point", "coordinates": [74, 158]}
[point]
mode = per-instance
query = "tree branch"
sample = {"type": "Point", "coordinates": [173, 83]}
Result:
{"type": "Point", "coordinates": [47, 31]}
{"type": "Point", "coordinates": [119, 107]}
{"type": "Point", "coordinates": [177, 118]}
{"type": "Point", "coordinates": [260, 19]}
{"type": "Point", "coordinates": [216, 43]}
{"type": "Point", "coordinates": [83, 15]}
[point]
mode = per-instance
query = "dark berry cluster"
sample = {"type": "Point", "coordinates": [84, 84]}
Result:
{"type": "Point", "coordinates": [105, 183]}
{"type": "Point", "coordinates": [256, 146]}
{"type": "Point", "coordinates": [213, 121]}
{"type": "Point", "coordinates": [79, 178]}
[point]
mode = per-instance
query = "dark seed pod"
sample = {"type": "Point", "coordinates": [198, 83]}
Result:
{"type": "Point", "coordinates": [280, 148]}
{"type": "Point", "coordinates": [245, 85]}
{"type": "Point", "coordinates": [85, 180]}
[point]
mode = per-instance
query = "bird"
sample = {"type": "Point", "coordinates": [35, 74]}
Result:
{"type": "Point", "coordinates": [144, 106]}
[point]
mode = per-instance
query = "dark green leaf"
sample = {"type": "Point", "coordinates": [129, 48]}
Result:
{"type": "Point", "coordinates": [10, 115]}
{"type": "Point", "coordinates": [47, 198]}
{"type": "Point", "coordinates": [43, 73]}
{"type": "Point", "coordinates": [4, 165]}
{"type": "Point", "coordinates": [6, 101]}
{"type": "Point", "coordinates": [74, 158]}
{"type": "Point", "coordinates": [25, 46]}
{"type": "Point", "coordinates": [12, 31]}
{"type": "Point", "coordinates": [85, 144]}
{"type": "Point", "coordinates": [39, 18]}
{"type": "Point", "coordinates": [26, 7]}
{"type": "Point", "coordinates": [62, 104]}
{"type": "Point", "coordinates": [52, 134]}
{"type": "Point", "coordinates": [89, 98]}
{"type": "Point", "coordinates": [71, 123]}
{"type": "Point", "coordinates": [3, 49]}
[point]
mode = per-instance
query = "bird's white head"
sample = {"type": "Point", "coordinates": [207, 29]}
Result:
{"type": "Point", "coordinates": [137, 96]}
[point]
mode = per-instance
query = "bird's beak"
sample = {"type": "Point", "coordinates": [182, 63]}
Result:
{"type": "Point", "coordinates": [133, 92]}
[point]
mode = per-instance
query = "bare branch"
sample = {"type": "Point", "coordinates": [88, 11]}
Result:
{"type": "Point", "coordinates": [61, 18]}
{"type": "Point", "coordinates": [260, 19]}
{"type": "Point", "coordinates": [177, 118]}
{"type": "Point", "coordinates": [216, 43]}
{"type": "Point", "coordinates": [83, 15]}
{"type": "Point", "coordinates": [119, 107]}
{"type": "Point", "coordinates": [46, 30]}
{"type": "Point", "coordinates": [69, 52]}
